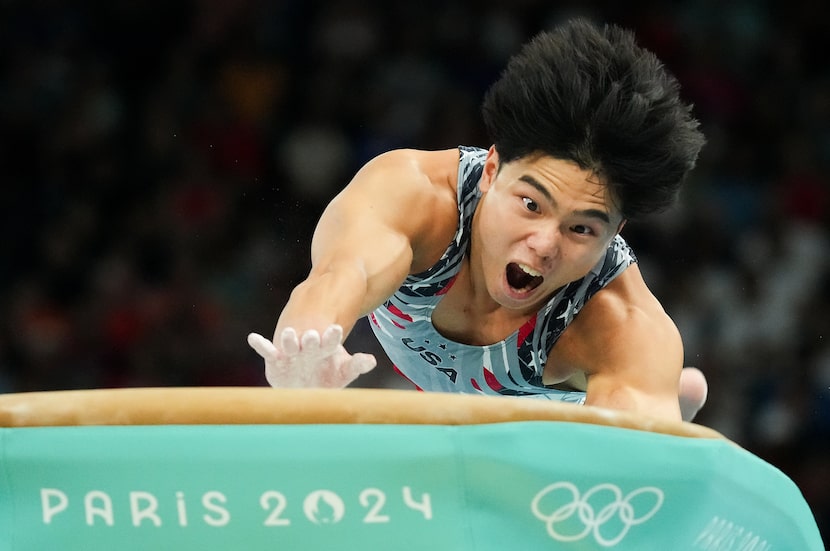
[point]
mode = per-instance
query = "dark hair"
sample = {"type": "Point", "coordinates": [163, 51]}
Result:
{"type": "Point", "coordinates": [593, 96]}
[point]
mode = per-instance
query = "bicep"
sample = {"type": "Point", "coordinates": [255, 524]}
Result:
{"type": "Point", "coordinates": [350, 240]}
{"type": "Point", "coordinates": [366, 239]}
{"type": "Point", "coordinates": [629, 348]}
{"type": "Point", "coordinates": [369, 229]}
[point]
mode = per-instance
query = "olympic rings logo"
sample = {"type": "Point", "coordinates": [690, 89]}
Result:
{"type": "Point", "coordinates": [615, 516]}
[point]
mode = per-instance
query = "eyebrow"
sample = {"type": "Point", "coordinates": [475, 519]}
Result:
{"type": "Point", "coordinates": [591, 213]}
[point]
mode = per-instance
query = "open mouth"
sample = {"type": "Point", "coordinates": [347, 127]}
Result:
{"type": "Point", "coordinates": [522, 277]}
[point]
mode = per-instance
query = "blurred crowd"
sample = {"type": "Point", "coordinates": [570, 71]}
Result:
{"type": "Point", "coordinates": [163, 164]}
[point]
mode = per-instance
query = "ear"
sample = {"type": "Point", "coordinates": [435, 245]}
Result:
{"type": "Point", "coordinates": [491, 169]}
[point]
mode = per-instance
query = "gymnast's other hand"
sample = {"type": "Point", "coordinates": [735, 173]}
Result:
{"type": "Point", "coordinates": [309, 360]}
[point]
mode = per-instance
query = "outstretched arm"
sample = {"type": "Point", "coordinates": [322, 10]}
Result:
{"type": "Point", "coordinates": [629, 348]}
{"type": "Point", "coordinates": [362, 250]}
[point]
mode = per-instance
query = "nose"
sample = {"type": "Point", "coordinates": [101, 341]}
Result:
{"type": "Point", "coordinates": [545, 242]}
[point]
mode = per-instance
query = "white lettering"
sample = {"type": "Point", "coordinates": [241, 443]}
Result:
{"type": "Point", "coordinates": [104, 510]}
{"type": "Point", "coordinates": [181, 509]}
{"type": "Point", "coordinates": [366, 497]}
{"type": "Point", "coordinates": [753, 543]}
{"type": "Point", "coordinates": [149, 512]}
{"type": "Point", "coordinates": [274, 519]}
{"type": "Point", "coordinates": [723, 535]}
{"type": "Point", "coordinates": [223, 516]}
{"type": "Point", "coordinates": [320, 507]}
{"type": "Point", "coordinates": [707, 538]}
{"type": "Point", "coordinates": [49, 509]}
{"type": "Point", "coordinates": [425, 505]}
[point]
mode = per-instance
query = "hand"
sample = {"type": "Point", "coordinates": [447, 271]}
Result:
{"type": "Point", "coordinates": [693, 392]}
{"type": "Point", "coordinates": [310, 361]}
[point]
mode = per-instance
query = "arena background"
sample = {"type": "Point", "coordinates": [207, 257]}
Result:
{"type": "Point", "coordinates": [164, 162]}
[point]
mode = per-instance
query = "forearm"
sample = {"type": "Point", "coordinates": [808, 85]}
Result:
{"type": "Point", "coordinates": [325, 298]}
{"type": "Point", "coordinates": [619, 396]}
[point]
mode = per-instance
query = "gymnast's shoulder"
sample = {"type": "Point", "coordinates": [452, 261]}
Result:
{"type": "Point", "coordinates": [414, 191]}
{"type": "Point", "coordinates": [412, 170]}
{"type": "Point", "coordinates": [623, 323]}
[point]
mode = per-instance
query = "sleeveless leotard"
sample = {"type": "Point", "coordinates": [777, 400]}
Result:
{"type": "Point", "coordinates": [514, 366]}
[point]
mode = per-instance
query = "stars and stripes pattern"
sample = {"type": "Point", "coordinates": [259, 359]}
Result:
{"type": "Point", "coordinates": [403, 325]}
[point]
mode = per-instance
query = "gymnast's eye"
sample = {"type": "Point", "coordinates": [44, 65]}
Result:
{"type": "Point", "coordinates": [530, 204]}
{"type": "Point", "coordinates": [582, 230]}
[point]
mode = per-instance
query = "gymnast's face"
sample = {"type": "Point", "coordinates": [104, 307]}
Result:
{"type": "Point", "coordinates": [542, 223]}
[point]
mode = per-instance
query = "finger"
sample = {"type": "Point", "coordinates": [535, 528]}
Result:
{"type": "Point", "coordinates": [693, 391]}
{"type": "Point", "coordinates": [261, 345]}
{"type": "Point", "coordinates": [363, 363]}
{"type": "Point", "coordinates": [310, 341]}
{"type": "Point", "coordinates": [331, 338]}
{"type": "Point", "coordinates": [289, 342]}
